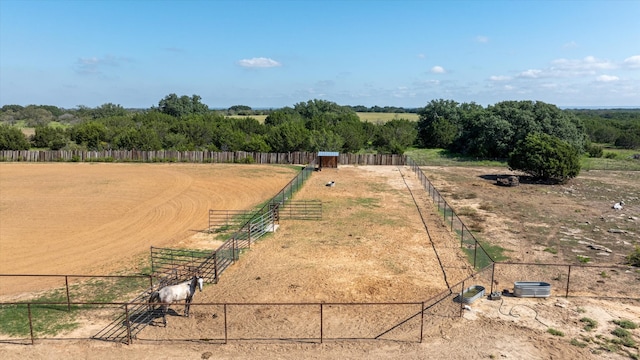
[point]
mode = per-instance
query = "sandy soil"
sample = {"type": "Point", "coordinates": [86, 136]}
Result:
{"type": "Point", "coordinates": [81, 218]}
{"type": "Point", "coordinates": [372, 245]}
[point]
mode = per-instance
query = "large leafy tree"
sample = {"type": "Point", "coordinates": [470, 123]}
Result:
{"type": "Point", "coordinates": [108, 110]}
{"type": "Point", "coordinates": [53, 138]}
{"type": "Point", "coordinates": [90, 134]}
{"type": "Point", "coordinates": [182, 106]}
{"type": "Point", "coordinates": [11, 138]}
{"type": "Point", "coordinates": [325, 140]}
{"type": "Point", "coordinates": [545, 157]}
{"type": "Point", "coordinates": [396, 136]}
{"type": "Point", "coordinates": [439, 123]}
{"type": "Point", "coordinates": [289, 136]}
{"type": "Point", "coordinates": [282, 116]}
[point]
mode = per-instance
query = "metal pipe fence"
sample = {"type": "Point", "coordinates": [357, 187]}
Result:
{"type": "Point", "coordinates": [318, 322]}
{"type": "Point", "coordinates": [476, 253]}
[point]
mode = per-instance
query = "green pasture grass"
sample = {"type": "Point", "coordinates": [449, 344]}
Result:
{"type": "Point", "coordinates": [496, 253]}
{"type": "Point", "coordinates": [50, 313]}
{"type": "Point", "coordinates": [442, 157]}
{"type": "Point", "coordinates": [381, 118]}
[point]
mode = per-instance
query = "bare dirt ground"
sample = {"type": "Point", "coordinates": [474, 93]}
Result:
{"type": "Point", "coordinates": [372, 246]}
{"type": "Point", "coordinates": [93, 218]}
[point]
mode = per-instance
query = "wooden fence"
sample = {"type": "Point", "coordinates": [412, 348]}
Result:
{"type": "Point", "coordinates": [298, 157]}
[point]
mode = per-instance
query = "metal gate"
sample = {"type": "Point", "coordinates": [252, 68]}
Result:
{"type": "Point", "coordinates": [301, 210]}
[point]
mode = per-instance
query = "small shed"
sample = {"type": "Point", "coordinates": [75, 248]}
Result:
{"type": "Point", "coordinates": [328, 159]}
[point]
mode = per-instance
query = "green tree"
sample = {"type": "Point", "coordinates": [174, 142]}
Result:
{"type": "Point", "coordinates": [545, 157]}
{"type": "Point", "coordinates": [629, 140]}
{"type": "Point", "coordinates": [439, 123]}
{"type": "Point", "coordinates": [240, 110]}
{"type": "Point", "coordinates": [49, 137]}
{"type": "Point", "coordinates": [108, 110]}
{"type": "Point", "coordinates": [182, 106]}
{"type": "Point", "coordinates": [396, 136]}
{"type": "Point", "coordinates": [256, 143]}
{"type": "Point", "coordinates": [11, 138]}
{"type": "Point", "coordinates": [289, 136]}
{"type": "Point", "coordinates": [282, 116]}
{"type": "Point", "coordinates": [325, 140]}
{"type": "Point", "coordinates": [90, 134]}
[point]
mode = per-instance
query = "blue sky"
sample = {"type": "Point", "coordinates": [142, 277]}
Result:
{"type": "Point", "coordinates": [279, 53]}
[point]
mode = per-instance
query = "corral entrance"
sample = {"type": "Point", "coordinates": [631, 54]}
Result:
{"type": "Point", "coordinates": [301, 210]}
{"type": "Point", "coordinates": [223, 220]}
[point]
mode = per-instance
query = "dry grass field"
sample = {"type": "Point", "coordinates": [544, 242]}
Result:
{"type": "Point", "coordinates": [372, 245]}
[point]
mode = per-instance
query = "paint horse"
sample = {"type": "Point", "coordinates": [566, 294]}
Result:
{"type": "Point", "coordinates": [172, 293]}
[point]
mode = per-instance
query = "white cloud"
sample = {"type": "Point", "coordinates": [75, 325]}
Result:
{"type": "Point", "coordinates": [421, 56]}
{"type": "Point", "coordinates": [570, 45]}
{"type": "Point", "coordinates": [260, 62]}
{"type": "Point", "coordinates": [96, 65]}
{"type": "Point", "coordinates": [531, 73]}
{"type": "Point", "coordinates": [438, 70]}
{"type": "Point", "coordinates": [482, 39]}
{"type": "Point", "coordinates": [499, 78]}
{"type": "Point", "coordinates": [607, 78]}
{"type": "Point", "coordinates": [426, 83]}
{"type": "Point", "coordinates": [632, 62]}
{"type": "Point", "coordinates": [589, 64]}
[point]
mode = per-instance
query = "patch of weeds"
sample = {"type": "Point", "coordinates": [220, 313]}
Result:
{"type": "Point", "coordinates": [467, 211]}
{"type": "Point", "coordinates": [626, 324]}
{"type": "Point", "coordinates": [633, 259]}
{"type": "Point", "coordinates": [621, 333]}
{"type": "Point", "coordinates": [578, 343]}
{"type": "Point", "coordinates": [604, 274]}
{"type": "Point", "coordinates": [590, 324]}
{"type": "Point", "coordinates": [476, 226]}
{"type": "Point", "coordinates": [583, 259]}
{"type": "Point", "coordinates": [622, 337]}
{"type": "Point", "coordinates": [555, 332]}
{"type": "Point", "coordinates": [486, 207]}
{"type": "Point", "coordinates": [551, 250]}
{"type": "Point", "coordinates": [579, 309]}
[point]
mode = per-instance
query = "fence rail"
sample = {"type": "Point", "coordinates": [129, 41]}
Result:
{"type": "Point", "coordinates": [319, 322]}
{"type": "Point", "coordinates": [478, 256]}
{"type": "Point", "coordinates": [221, 220]}
{"type": "Point", "coordinates": [301, 210]}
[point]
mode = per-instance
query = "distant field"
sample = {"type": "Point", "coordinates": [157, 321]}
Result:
{"type": "Point", "coordinates": [379, 118]}
{"type": "Point", "coordinates": [376, 118]}
{"type": "Point", "coordinates": [260, 118]}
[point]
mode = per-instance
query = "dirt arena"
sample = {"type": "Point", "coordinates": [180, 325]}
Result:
{"type": "Point", "coordinates": [97, 218]}
{"type": "Point", "coordinates": [370, 246]}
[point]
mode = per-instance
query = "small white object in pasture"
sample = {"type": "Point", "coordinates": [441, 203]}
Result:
{"type": "Point", "coordinates": [619, 205]}
{"type": "Point", "coordinates": [467, 307]}
{"type": "Point", "coordinates": [331, 183]}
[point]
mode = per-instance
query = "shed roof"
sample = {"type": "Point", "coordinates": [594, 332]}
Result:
{"type": "Point", "coordinates": [328, 153]}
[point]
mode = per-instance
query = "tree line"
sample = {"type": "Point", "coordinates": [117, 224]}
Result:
{"type": "Point", "coordinates": [506, 130]}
